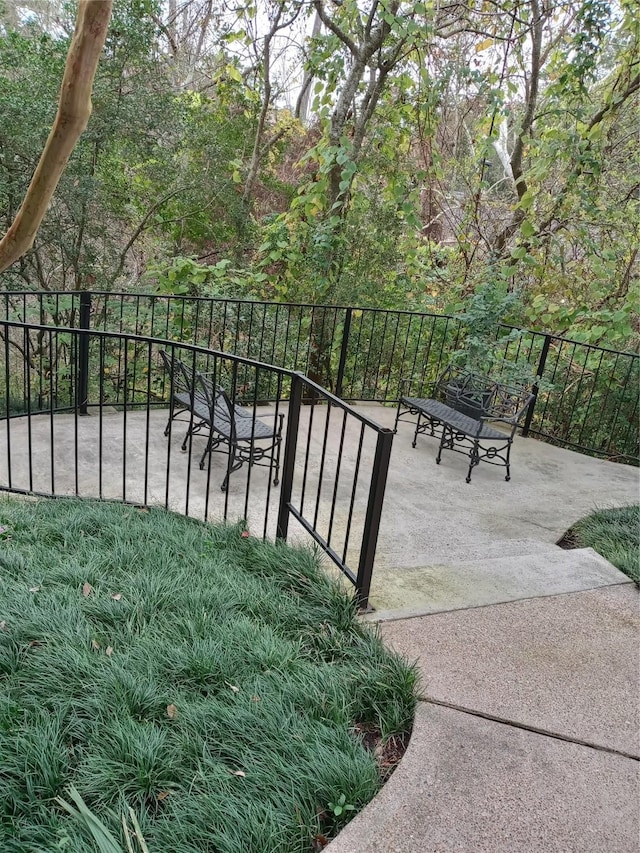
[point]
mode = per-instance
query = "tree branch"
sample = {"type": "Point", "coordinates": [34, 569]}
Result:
{"type": "Point", "coordinates": [141, 227]}
{"type": "Point", "coordinates": [74, 109]}
{"type": "Point", "coordinates": [336, 30]}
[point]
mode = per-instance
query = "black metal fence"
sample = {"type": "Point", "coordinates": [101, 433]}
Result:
{"type": "Point", "coordinates": [588, 402]}
{"type": "Point", "coordinates": [334, 464]}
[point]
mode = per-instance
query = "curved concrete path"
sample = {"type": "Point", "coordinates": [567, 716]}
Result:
{"type": "Point", "coordinates": [526, 738]}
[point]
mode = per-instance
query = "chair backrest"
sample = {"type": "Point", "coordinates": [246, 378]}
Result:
{"type": "Point", "coordinates": [181, 378]}
{"type": "Point", "coordinates": [221, 409]}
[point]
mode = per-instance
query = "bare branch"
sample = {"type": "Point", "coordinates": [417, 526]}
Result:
{"type": "Point", "coordinates": [336, 30]}
{"type": "Point", "coordinates": [138, 231]}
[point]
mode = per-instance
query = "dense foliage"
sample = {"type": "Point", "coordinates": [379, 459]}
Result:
{"type": "Point", "coordinates": [218, 685]}
{"type": "Point", "coordinates": [395, 154]}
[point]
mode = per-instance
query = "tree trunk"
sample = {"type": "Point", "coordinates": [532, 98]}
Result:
{"type": "Point", "coordinates": [74, 109]}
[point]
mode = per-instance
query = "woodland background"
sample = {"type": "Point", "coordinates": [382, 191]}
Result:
{"type": "Point", "coordinates": [377, 154]}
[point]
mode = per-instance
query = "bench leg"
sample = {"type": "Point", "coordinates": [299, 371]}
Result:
{"type": "Point", "coordinates": [443, 439]}
{"type": "Point", "coordinates": [474, 456]}
{"type": "Point", "coordinates": [415, 435]}
{"type": "Point", "coordinates": [508, 477]}
{"type": "Point", "coordinates": [230, 467]}
{"type": "Point", "coordinates": [204, 455]}
{"type": "Point", "coordinates": [172, 415]}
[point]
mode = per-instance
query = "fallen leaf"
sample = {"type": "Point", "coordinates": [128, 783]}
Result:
{"type": "Point", "coordinates": [35, 644]}
{"type": "Point", "coordinates": [35, 589]}
{"type": "Point", "coordinates": [245, 534]}
{"type": "Point", "coordinates": [162, 796]}
{"type": "Point", "coordinates": [172, 712]}
{"type": "Point", "coordinates": [108, 651]}
{"type": "Point", "coordinates": [239, 773]}
{"type": "Point", "coordinates": [87, 589]}
{"type": "Point", "coordinates": [95, 645]}
{"type": "Point", "coordinates": [232, 687]}
{"type": "Point", "coordinates": [3, 625]}
{"type": "Point", "coordinates": [116, 596]}
{"type": "Point", "coordinates": [255, 699]}
{"type": "Point", "coordinates": [319, 841]}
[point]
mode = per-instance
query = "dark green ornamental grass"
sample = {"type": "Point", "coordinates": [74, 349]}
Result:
{"type": "Point", "coordinates": [614, 533]}
{"type": "Point", "coordinates": [216, 685]}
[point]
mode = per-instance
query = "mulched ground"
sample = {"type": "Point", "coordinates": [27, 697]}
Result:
{"type": "Point", "coordinates": [569, 540]}
{"type": "Point", "coordinates": [387, 754]}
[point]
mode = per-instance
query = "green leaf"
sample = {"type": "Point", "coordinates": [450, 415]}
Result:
{"type": "Point", "coordinates": [232, 72]}
{"type": "Point", "coordinates": [527, 200]}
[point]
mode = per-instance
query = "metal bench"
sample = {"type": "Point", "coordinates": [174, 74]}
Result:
{"type": "Point", "coordinates": [464, 406]}
{"type": "Point", "coordinates": [232, 429]}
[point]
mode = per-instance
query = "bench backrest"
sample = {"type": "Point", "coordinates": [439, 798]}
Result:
{"type": "Point", "coordinates": [482, 396]}
{"type": "Point", "coordinates": [182, 380]}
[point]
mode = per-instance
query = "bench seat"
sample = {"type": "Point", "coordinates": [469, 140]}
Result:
{"type": "Point", "coordinates": [444, 414]}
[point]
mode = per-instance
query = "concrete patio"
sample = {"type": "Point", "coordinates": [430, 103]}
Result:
{"type": "Point", "coordinates": [443, 543]}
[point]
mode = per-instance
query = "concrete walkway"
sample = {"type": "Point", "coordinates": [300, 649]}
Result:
{"type": "Point", "coordinates": [526, 738]}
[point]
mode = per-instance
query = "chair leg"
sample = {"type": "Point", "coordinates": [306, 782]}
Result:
{"type": "Point", "coordinates": [474, 457]}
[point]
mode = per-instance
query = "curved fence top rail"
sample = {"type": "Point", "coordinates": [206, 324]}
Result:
{"type": "Point", "coordinates": [121, 294]}
{"type": "Point", "coordinates": [335, 459]}
{"type": "Point", "coordinates": [204, 351]}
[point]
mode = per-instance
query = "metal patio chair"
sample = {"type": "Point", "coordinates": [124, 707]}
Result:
{"type": "Point", "coordinates": [232, 429]}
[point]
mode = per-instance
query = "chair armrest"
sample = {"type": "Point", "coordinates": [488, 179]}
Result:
{"type": "Point", "coordinates": [403, 385]}
{"type": "Point", "coordinates": [522, 411]}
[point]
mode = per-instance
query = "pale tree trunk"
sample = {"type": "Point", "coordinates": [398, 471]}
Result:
{"type": "Point", "coordinates": [74, 109]}
{"type": "Point", "coordinates": [304, 98]}
{"type": "Point", "coordinates": [262, 145]}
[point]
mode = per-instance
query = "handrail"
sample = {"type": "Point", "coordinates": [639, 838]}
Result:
{"type": "Point", "coordinates": [361, 353]}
